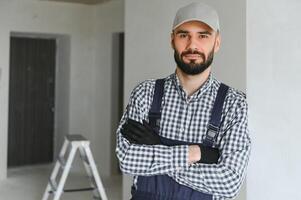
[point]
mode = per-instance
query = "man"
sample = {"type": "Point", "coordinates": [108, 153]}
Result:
{"type": "Point", "coordinates": [186, 136]}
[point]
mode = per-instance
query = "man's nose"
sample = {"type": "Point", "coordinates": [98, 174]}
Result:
{"type": "Point", "coordinates": [192, 44]}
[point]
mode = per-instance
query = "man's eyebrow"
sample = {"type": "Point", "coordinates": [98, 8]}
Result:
{"type": "Point", "coordinates": [205, 32]}
{"type": "Point", "coordinates": [181, 31]}
{"type": "Point", "coordinates": [201, 32]}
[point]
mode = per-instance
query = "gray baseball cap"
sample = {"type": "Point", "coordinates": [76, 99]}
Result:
{"type": "Point", "coordinates": [197, 12]}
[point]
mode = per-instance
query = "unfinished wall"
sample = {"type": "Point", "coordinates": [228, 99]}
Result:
{"type": "Point", "coordinates": [274, 92]}
{"type": "Point", "coordinates": [108, 21]}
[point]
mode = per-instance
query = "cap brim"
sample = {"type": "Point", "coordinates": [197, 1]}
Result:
{"type": "Point", "coordinates": [193, 19]}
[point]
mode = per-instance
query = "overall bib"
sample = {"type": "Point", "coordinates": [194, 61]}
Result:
{"type": "Point", "coordinates": [163, 187]}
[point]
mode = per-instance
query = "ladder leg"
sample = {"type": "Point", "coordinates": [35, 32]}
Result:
{"type": "Point", "coordinates": [55, 171]}
{"type": "Point", "coordinates": [57, 165]}
{"type": "Point", "coordinates": [64, 148]}
{"type": "Point", "coordinates": [88, 170]}
{"type": "Point", "coordinates": [46, 193]}
{"type": "Point", "coordinates": [65, 173]}
{"type": "Point", "coordinates": [95, 174]}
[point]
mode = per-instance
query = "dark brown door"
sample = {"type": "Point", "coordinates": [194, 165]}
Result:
{"type": "Point", "coordinates": [31, 101]}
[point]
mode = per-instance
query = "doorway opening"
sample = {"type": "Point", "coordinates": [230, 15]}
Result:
{"type": "Point", "coordinates": [38, 97]}
{"type": "Point", "coordinates": [117, 93]}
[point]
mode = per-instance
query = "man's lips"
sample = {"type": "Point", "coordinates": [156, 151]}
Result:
{"type": "Point", "coordinates": [192, 56]}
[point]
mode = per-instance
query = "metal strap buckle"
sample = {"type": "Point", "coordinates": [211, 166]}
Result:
{"type": "Point", "coordinates": [212, 132]}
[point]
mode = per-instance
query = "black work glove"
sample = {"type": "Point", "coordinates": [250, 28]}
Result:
{"type": "Point", "coordinates": [209, 155]}
{"type": "Point", "coordinates": [137, 133]}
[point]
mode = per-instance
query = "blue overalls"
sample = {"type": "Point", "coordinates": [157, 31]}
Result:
{"type": "Point", "coordinates": [163, 187]}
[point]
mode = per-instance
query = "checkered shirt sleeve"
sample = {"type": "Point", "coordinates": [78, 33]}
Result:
{"type": "Point", "coordinates": [188, 122]}
{"type": "Point", "coordinates": [146, 160]}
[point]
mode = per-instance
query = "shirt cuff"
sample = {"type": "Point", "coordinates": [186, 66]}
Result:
{"type": "Point", "coordinates": [180, 157]}
{"type": "Point", "coordinates": [176, 156]}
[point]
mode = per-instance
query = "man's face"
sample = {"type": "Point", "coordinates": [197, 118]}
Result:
{"type": "Point", "coordinates": [195, 44]}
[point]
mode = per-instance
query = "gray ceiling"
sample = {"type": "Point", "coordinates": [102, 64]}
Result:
{"type": "Point", "coordinates": [80, 1]}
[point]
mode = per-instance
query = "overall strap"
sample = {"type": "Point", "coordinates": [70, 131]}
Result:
{"type": "Point", "coordinates": [154, 113]}
{"type": "Point", "coordinates": [216, 115]}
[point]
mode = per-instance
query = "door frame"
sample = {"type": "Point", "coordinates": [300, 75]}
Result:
{"type": "Point", "coordinates": [62, 85]}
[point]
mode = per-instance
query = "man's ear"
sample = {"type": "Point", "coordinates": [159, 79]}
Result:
{"type": "Point", "coordinates": [217, 42]}
{"type": "Point", "coordinates": [172, 40]}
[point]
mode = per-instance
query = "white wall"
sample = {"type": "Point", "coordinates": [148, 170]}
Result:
{"type": "Point", "coordinates": [148, 53]}
{"type": "Point", "coordinates": [89, 28]}
{"type": "Point", "coordinates": [108, 20]}
{"type": "Point", "coordinates": [274, 92]}
{"type": "Point", "coordinates": [62, 91]}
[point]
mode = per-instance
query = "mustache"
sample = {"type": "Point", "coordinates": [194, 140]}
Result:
{"type": "Point", "coordinates": [190, 51]}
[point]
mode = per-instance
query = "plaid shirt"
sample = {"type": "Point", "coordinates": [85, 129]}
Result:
{"type": "Point", "coordinates": [186, 118]}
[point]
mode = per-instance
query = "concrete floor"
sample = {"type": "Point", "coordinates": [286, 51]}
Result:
{"type": "Point", "coordinates": [29, 183]}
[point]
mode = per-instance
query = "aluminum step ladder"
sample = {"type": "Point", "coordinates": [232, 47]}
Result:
{"type": "Point", "coordinates": [74, 143]}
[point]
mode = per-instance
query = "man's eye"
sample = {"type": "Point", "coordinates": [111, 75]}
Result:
{"type": "Point", "coordinates": [182, 35]}
{"type": "Point", "coordinates": [203, 36]}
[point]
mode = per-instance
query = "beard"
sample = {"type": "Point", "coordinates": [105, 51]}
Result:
{"type": "Point", "coordinates": [193, 68]}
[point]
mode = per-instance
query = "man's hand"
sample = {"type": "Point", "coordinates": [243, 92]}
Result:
{"type": "Point", "coordinates": [194, 154]}
{"type": "Point", "coordinates": [202, 154]}
{"type": "Point", "coordinates": [137, 133]}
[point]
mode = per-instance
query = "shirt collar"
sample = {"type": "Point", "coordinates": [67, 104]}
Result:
{"type": "Point", "coordinates": [176, 82]}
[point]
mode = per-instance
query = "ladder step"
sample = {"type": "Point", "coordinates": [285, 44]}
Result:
{"type": "Point", "coordinates": [76, 190]}
{"type": "Point", "coordinates": [79, 189]}
{"type": "Point", "coordinates": [76, 138]}
{"type": "Point", "coordinates": [53, 185]}
{"type": "Point", "coordinates": [62, 161]}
